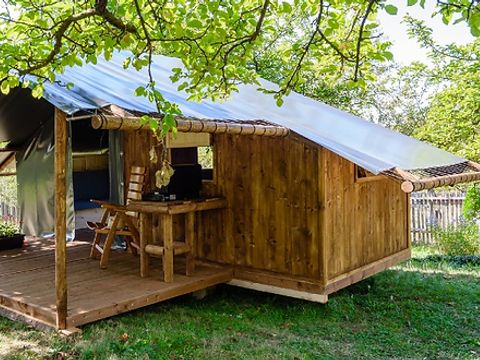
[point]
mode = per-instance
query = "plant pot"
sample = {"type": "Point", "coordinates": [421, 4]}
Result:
{"type": "Point", "coordinates": [11, 242]}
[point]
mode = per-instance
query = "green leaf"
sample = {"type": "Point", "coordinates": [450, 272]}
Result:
{"type": "Point", "coordinates": [92, 58]}
{"type": "Point", "coordinates": [5, 88]}
{"type": "Point", "coordinates": [37, 91]}
{"type": "Point", "coordinates": [279, 101]}
{"type": "Point", "coordinates": [145, 119]}
{"type": "Point", "coordinates": [392, 10]}
{"type": "Point", "coordinates": [153, 124]}
{"type": "Point", "coordinates": [182, 86]}
{"type": "Point", "coordinates": [388, 55]}
{"type": "Point", "coordinates": [474, 23]}
{"type": "Point", "coordinates": [195, 23]}
{"type": "Point", "coordinates": [140, 91]}
{"type": "Point", "coordinates": [286, 7]}
{"type": "Point", "coordinates": [411, 2]}
{"type": "Point", "coordinates": [475, 32]}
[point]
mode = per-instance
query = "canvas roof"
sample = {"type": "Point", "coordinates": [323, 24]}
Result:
{"type": "Point", "coordinates": [369, 145]}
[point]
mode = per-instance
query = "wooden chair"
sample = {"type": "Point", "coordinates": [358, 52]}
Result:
{"type": "Point", "coordinates": [116, 220]}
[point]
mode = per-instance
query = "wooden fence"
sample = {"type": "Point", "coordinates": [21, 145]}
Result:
{"type": "Point", "coordinates": [432, 209]}
{"type": "Point", "coordinates": [429, 209]}
{"type": "Point", "coordinates": [8, 211]}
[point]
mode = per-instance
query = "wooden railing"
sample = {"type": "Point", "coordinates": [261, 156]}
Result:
{"type": "Point", "coordinates": [430, 209]}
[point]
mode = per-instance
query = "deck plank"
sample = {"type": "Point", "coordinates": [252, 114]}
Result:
{"type": "Point", "coordinates": [27, 283]}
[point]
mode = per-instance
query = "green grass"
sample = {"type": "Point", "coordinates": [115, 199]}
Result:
{"type": "Point", "coordinates": [423, 309]}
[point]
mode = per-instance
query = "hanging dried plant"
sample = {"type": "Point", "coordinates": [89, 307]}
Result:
{"type": "Point", "coordinates": [162, 176]}
{"type": "Point", "coordinates": [153, 155]}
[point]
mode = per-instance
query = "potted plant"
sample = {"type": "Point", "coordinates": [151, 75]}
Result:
{"type": "Point", "coordinates": [10, 238]}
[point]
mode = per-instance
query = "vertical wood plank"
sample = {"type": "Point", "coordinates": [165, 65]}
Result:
{"type": "Point", "coordinates": [61, 136]}
{"type": "Point", "coordinates": [189, 240]}
{"type": "Point", "coordinates": [145, 239]}
{"type": "Point", "coordinates": [281, 214]}
{"type": "Point", "coordinates": [167, 230]}
{"type": "Point", "coordinates": [322, 224]}
{"type": "Point", "coordinates": [408, 234]}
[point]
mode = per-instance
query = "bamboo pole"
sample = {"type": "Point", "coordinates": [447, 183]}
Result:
{"type": "Point", "coordinates": [109, 122]}
{"type": "Point", "coordinates": [60, 218]}
{"type": "Point", "coordinates": [433, 182]}
{"type": "Point", "coordinates": [474, 165]}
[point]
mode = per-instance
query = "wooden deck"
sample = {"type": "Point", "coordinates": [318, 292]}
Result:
{"type": "Point", "coordinates": [27, 283]}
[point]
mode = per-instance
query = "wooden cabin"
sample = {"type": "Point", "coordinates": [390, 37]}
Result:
{"type": "Point", "coordinates": [301, 220]}
{"type": "Point", "coordinates": [312, 199]}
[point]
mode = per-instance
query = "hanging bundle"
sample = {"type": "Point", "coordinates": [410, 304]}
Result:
{"type": "Point", "coordinates": [162, 176]}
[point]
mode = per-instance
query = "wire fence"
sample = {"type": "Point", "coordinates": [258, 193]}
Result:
{"type": "Point", "coordinates": [430, 209]}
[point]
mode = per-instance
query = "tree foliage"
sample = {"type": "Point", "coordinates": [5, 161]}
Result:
{"type": "Point", "coordinates": [216, 39]}
{"type": "Point", "coordinates": [452, 120]}
{"type": "Point", "coordinates": [399, 97]}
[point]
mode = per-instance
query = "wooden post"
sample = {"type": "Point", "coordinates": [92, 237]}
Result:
{"type": "Point", "coordinates": [61, 217]}
{"type": "Point", "coordinates": [145, 239]}
{"type": "Point", "coordinates": [167, 230]}
{"type": "Point", "coordinates": [189, 240]}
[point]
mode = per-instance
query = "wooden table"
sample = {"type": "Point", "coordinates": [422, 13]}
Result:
{"type": "Point", "coordinates": [167, 210]}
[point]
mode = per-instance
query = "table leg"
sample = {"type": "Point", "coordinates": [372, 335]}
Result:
{"type": "Point", "coordinates": [145, 230]}
{"type": "Point", "coordinates": [167, 229]}
{"type": "Point", "coordinates": [189, 240]}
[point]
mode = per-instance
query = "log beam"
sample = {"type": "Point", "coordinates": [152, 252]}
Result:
{"type": "Point", "coordinates": [109, 122]}
{"type": "Point", "coordinates": [61, 218]}
{"type": "Point", "coordinates": [433, 182]}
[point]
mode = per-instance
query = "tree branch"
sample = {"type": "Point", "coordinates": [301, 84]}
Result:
{"type": "Point", "coordinates": [360, 38]}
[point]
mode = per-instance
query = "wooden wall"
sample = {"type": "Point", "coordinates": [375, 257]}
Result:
{"type": "Point", "coordinates": [291, 205]}
{"type": "Point", "coordinates": [136, 147]}
{"type": "Point", "coordinates": [272, 188]}
{"type": "Point", "coordinates": [364, 221]}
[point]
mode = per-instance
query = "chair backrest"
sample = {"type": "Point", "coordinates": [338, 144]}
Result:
{"type": "Point", "coordinates": [136, 184]}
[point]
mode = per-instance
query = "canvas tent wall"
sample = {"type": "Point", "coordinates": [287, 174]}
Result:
{"type": "Point", "coordinates": [27, 125]}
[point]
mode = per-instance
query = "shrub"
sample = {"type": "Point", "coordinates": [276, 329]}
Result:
{"type": "Point", "coordinates": [8, 228]}
{"type": "Point", "coordinates": [471, 206]}
{"type": "Point", "coordinates": [464, 240]}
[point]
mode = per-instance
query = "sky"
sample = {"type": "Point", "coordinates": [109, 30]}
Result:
{"type": "Point", "coordinates": [407, 50]}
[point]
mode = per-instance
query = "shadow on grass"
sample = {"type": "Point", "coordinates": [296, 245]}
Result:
{"type": "Point", "coordinates": [395, 314]}
{"type": "Point", "coordinates": [452, 261]}
{"type": "Point", "coordinates": [399, 313]}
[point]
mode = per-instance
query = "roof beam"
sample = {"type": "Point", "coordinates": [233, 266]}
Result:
{"type": "Point", "coordinates": [109, 122]}
{"type": "Point", "coordinates": [409, 186]}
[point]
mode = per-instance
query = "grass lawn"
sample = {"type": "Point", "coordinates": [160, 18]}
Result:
{"type": "Point", "coordinates": [427, 308]}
